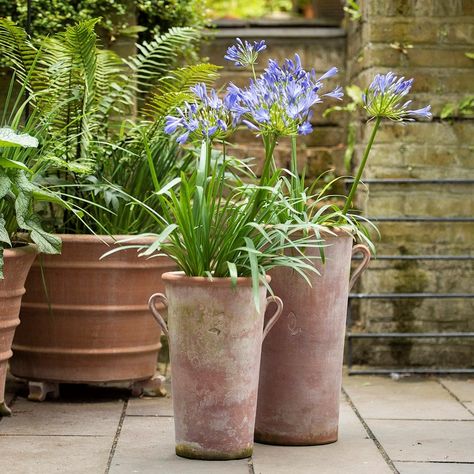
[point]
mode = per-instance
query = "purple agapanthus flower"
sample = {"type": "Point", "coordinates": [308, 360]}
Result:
{"type": "Point", "coordinates": [384, 98]}
{"type": "Point", "coordinates": [207, 117]}
{"type": "Point", "coordinates": [244, 54]}
{"type": "Point", "coordinates": [279, 102]}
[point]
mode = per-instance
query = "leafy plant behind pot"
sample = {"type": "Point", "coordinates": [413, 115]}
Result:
{"type": "Point", "coordinates": [18, 193]}
{"type": "Point", "coordinates": [110, 122]}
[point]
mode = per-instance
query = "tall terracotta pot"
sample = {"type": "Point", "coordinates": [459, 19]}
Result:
{"type": "Point", "coordinates": [17, 263]}
{"type": "Point", "coordinates": [215, 337]}
{"type": "Point", "coordinates": [88, 321]}
{"type": "Point", "coordinates": [301, 368]}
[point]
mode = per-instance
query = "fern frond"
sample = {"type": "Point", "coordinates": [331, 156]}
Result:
{"type": "Point", "coordinates": [16, 46]}
{"type": "Point", "coordinates": [173, 89]}
{"type": "Point", "coordinates": [157, 57]}
{"type": "Point", "coordinates": [80, 40]}
{"type": "Point", "coordinates": [183, 78]}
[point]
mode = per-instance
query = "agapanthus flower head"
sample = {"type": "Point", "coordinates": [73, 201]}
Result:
{"type": "Point", "coordinates": [206, 117]}
{"type": "Point", "coordinates": [280, 101]}
{"type": "Point", "coordinates": [384, 98]}
{"type": "Point", "coordinates": [244, 54]}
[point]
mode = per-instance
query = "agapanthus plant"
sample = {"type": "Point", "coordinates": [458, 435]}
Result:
{"type": "Point", "coordinates": [217, 228]}
{"type": "Point", "coordinates": [385, 98]}
{"type": "Point", "coordinates": [208, 117]}
{"type": "Point", "coordinates": [244, 54]}
{"type": "Point", "coordinates": [279, 103]}
{"type": "Point", "coordinates": [213, 223]}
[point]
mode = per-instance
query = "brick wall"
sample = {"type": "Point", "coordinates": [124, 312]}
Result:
{"type": "Point", "coordinates": [426, 40]}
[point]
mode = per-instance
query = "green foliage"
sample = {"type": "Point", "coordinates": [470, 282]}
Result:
{"type": "Point", "coordinates": [159, 16]}
{"type": "Point", "coordinates": [463, 108]}
{"type": "Point", "coordinates": [248, 8]}
{"type": "Point", "coordinates": [210, 227]}
{"type": "Point", "coordinates": [352, 8]}
{"type": "Point", "coordinates": [19, 192]}
{"type": "Point", "coordinates": [96, 126]}
{"type": "Point", "coordinates": [153, 16]}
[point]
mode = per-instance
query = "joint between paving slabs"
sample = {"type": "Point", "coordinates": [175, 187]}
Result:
{"type": "Point", "coordinates": [117, 436]}
{"type": "Point", "coordinates": [455, 397]}
{"type": "Point", "coordinates": [434, 462]}
{"type": "Point", "coordinates": [250, 465]}
{"type": "Point", "coordinates": [370, 433]}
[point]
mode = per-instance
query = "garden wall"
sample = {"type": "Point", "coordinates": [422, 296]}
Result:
{"type": "Point", "coordinates": [427, 40]}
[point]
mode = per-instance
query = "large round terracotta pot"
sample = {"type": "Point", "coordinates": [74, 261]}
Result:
{"type": "Point", "coordinates": [17, 262]}
{"type": "Point", "coordinates": [88, 321]}
{"type": "Point", "coordinates": [301, 368]}
{"type": "Point", "coordinates": [215, 337]}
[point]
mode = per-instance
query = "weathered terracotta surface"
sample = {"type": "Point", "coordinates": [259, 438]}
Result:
{"type": "Point", "coordinates": [301, 368]}
{"type": "Point", "coordinates": [17, 263]}
{"type": "Point", "coordinates": [215, 337]}
{"type": "Point", "coordinates": [96, 326]}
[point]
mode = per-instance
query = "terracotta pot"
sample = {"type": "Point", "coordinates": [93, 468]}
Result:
{"type": "Point", "coordinates": [301, 368]}
{"type": "Point", "coordinates": [215, 337]}
{"type": "Point", "coordinates": [17, 263]}
{"type": "Point", "coordinates": [90, 322]}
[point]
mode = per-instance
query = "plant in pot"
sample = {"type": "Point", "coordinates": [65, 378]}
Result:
{"type": "Point", "coordinates": [301, 368]}
{"type": "Point", "coordinates": [19, 193]}
{"type": "Point", "coordinates": [221, 232]}
{"type": "Point", "coordinates": [109, 123]}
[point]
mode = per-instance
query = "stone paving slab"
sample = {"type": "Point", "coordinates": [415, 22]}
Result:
{"type": "Point", "coordinates": [150, 407]}
{"type": "Point", "coordinates": [54, 454]}
{"type": "Point", "coordinates": [463, 390]}
{"type": "Point", "coordinates": [407, 398]}
{"type": "Point", "coordinates": [414, 420]}
{"type": "Point", "coordinates": [354, 453]}
{"type": "Point", "coordinates": [146, 446]}
{"type": "Point", "coordinates": [434, 468]}
{"type": "Point", "coordinates": [414, 440]}
{"type": "Point", "coordinates": [57, 418]}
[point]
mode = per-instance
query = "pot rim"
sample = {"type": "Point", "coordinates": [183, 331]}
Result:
{"type": "Point", "coordinates": [338, 231]}
{"type": "Point", "coordinates": [104, 239]}
{"type": "Point", "coordinates": [20, 251]}
{"type": "Point", "coordinates": [181, 279]}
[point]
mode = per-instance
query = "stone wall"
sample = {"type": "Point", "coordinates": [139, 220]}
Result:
{"type": "Point", "coordinates": [426, 40]}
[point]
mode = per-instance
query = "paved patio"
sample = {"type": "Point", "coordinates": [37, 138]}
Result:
{"type": "Point", "coordinates": [412, 426]}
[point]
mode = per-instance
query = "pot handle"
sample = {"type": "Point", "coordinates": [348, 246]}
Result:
{"type": "Point", "coordinates": [362, 266]}
{"type": "Point", "coordinates": [155, 313]}
{"type": "Point", "coordinates": [271, 322]}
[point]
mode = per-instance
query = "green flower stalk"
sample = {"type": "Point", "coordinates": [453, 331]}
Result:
{"type": "Point", "coordinates": [384, 99]}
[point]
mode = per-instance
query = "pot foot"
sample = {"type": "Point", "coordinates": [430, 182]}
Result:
{"type": "Point", "coordinates": [4, 410]}
{"type": "Point", "coordinates": [38, 391]}
{"type": "Point", "coordinates": [153, 387]}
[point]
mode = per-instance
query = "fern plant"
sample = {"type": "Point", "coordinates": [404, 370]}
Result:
{"type": "Point", "coordinates": [109, 117]}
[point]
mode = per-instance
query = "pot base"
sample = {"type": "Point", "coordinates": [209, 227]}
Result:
{"type": "Point", "coordinates": [39, 390]}
{"type": "Point", "coordinates": [193, 452]}
{"type": "Point", "coordinates": [4, 410]}
{"type": "Point", "coordinates": [281, 440]}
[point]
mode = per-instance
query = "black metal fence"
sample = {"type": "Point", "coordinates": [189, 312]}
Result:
{"type": "Point", "coordinates": [351, 337]}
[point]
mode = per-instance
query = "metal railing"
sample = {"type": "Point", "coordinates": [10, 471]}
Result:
{"type": "Point", "coordinates": [396, 296]}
